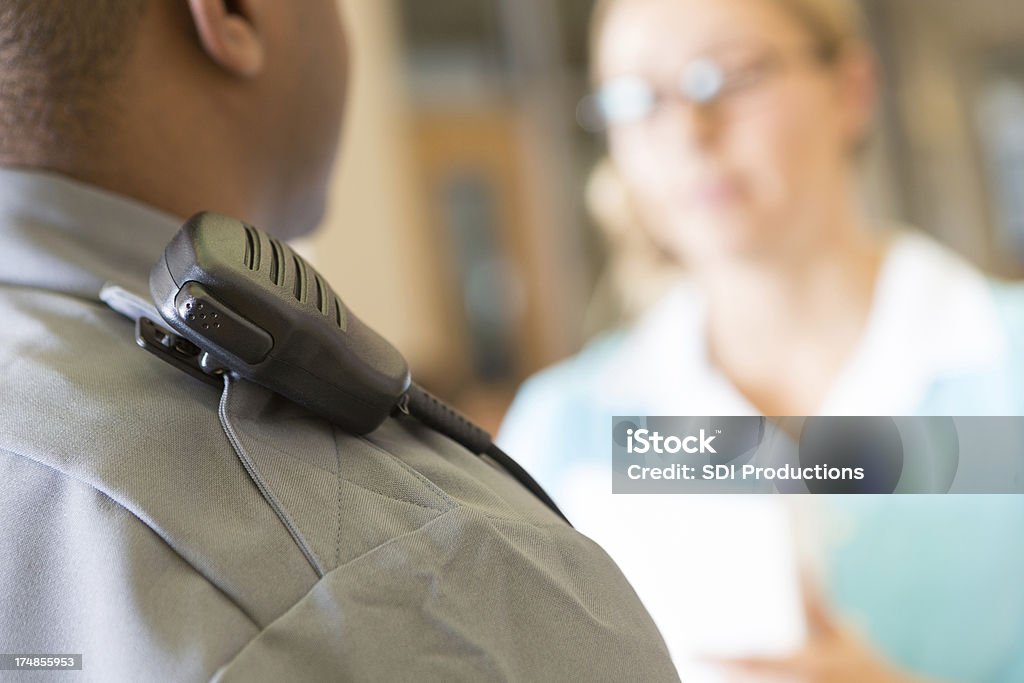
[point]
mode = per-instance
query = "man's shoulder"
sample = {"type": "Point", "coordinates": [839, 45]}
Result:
{"type": "Point", "coordinates": [84, 402]}
{"type": "Point", "coordinates": [363, 554]}
{"type": "Point", "coordinates": [79, 388]}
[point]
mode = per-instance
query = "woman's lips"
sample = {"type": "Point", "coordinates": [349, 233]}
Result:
{"type": "Point", "coordinates": [715, 194]}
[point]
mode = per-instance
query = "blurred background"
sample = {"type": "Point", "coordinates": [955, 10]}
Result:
{"type": "Point", "coordinates": [462, 221]}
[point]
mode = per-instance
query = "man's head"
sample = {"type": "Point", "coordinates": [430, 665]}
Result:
{"type": "Point", "coordinates": [226, 105]}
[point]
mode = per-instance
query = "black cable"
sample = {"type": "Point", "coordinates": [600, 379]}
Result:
{"type": "Point", "coordinates": [439, 416]}
{"type": "Point", "coordinates": [524, 478]}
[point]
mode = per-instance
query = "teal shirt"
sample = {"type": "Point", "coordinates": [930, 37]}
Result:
{"type": "Point", "coordinates": [936, 582]}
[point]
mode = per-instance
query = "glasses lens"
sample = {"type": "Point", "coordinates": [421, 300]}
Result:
{"type": "Point", "coordinates": [623, 100]}
{"type": "Point", "coordinates": [702, 81]}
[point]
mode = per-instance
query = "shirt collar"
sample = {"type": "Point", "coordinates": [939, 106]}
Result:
{"type": "Point", "coordinates": [932, 317]}
{"type": "Point", "coordinates": [62, 235]}
{"type": "Point", "coordinates": [662, 366]}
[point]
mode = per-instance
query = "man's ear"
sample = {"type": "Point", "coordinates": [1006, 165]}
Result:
{"type": "Point", "coordinates": [229, 36]}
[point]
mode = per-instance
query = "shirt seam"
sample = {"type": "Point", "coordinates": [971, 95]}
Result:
{"type": "Point", "coordinates": [394, 539]}
{"type": "Point", "coordinates": [143, 522]}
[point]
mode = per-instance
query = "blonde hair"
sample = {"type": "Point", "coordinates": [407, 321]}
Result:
{"type": "Point", "coordinates": [832, 24]}
{"type": "Point", "coordinates": [638, 267]}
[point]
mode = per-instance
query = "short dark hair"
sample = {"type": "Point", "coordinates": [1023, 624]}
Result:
{"type": "Point", "coordinates": [55, 58]}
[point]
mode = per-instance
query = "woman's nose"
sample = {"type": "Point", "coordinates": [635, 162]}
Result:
{"type": "Point", "coordinates": [689, 124]}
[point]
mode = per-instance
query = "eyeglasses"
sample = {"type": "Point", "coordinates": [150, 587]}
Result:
{"type": "Point", "coordinates": [704, 82]}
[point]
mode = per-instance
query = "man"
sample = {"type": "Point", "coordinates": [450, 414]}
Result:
{"type": "Point", "coordinates": [166, 530]}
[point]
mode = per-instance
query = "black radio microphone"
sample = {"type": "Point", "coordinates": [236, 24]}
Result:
{"type": "Point", "coordinates": [237, 300]}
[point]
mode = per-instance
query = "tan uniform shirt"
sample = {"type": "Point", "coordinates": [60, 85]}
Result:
{"type": "Point", "coordinates": [168, 530]}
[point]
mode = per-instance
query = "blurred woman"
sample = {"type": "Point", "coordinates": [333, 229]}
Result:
{"type": "Point", "coordinates": [737, 126]}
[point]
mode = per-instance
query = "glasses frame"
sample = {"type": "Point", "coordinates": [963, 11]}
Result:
{"type": "Point", "coordinates": [704, 82]}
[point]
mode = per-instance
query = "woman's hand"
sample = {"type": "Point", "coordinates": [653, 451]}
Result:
{"type": "Point", "coordinates": [834, 653]}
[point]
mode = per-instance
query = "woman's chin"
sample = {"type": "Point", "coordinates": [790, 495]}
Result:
{"type": "Point", "coordinates": [721, 239]}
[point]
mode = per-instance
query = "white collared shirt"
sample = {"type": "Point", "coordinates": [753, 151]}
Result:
{"type": "Point", "coordinates": [932, 316]}
{"type": "Point", "coordinates": [720, 574]}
